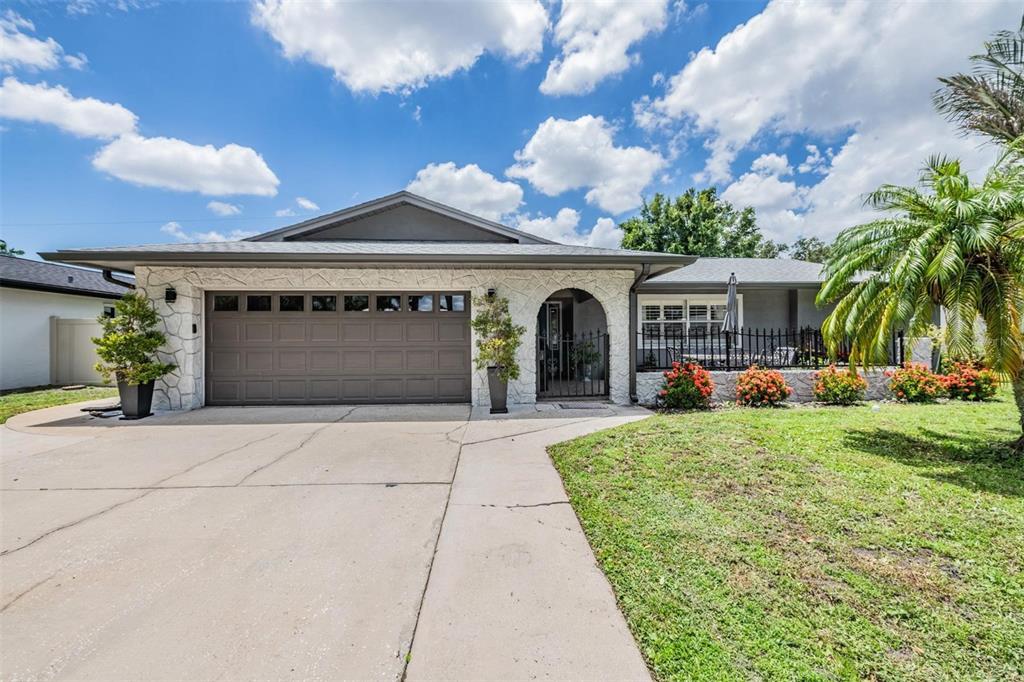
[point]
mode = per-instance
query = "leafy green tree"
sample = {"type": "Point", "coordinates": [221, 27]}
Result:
{"type": "Point", "coordinates": [810, 249]}
{"type": "Point", "coordinates": [699, 223]}
{"type": "Point", "coordinates": [990, 100]}
{"type": "Point", "coordinates": [127, 349]}
{"type": "Point", "coordinates": [944, 243]}
{"type": "Point", "coordinates": [7, 251]}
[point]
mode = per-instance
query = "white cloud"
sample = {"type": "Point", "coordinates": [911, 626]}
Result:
{"type": "Point", "coordinates": [178, 165]}
{"type": "Point", "coordinates": [394, 47]}
{"type": "Point", "coordinates": [284, 213]}
{"type": "Point", "coordinates": [776, 164]}
{"type": "Point", "coordinates": [859, 72]}
{"type": "Point", "coordinates": [42, 103]}
{"type": "Point", "coordinates": [175, 230]}
{"type": "Point", "coordinates": [595, 39]}
{"type": "Point", "coordinates": [562, 229]}
{"type": "Point", "coordinates": [78, 62]}
{"type": "Point", "coordinates": [815, 162]}
{"type": "Point", "coordinates": [224, 209]}
{"type": "Point", "coordinates": [18, 49]}
{"type": "Point", "coordinates": [776, 201]}
{"type": "Point", "coordinates": [307, 204]}
{"type": "Point", "coordinates": [469, 188]}
{"type": "Point", "coordinates": [825, 68]}
{"type": "Point", "coordinates": [606, 234]}
{"type": "Point", "coordinates": [563, 155]}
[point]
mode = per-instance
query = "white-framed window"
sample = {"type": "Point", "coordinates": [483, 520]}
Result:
{"type": "Point", "coordinates": [672, 317]}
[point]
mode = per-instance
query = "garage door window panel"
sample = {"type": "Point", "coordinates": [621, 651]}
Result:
{"type": "Point", "coordinates": [454, 303]}
{"type": "Point", "coordinates": [260, 303]}
{"type": "Point", "coordinates": [421, 303]}
{"type": "Point", "coordinates": [227, 303]}
{"type": "Point", "coordinates": [389, 303]}
{"type": "Point", "coordinates": [291, 303]}
{"type": "Point", "coordinates": [357, 303]}
{"type": "Point", "coordinates": [323, 304]}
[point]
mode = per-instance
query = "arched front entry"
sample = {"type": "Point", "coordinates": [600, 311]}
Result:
{"type": "Point", "coordinates": [572, 346]}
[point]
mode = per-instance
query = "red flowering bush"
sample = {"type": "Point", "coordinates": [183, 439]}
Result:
{"type": "Point", "coordinates": [915, 383]}
{"type": "Point", "coordinates": [839, 387]}
{"type": "Point", "coordinates": [761, 388]}
{"type": "Point", "coordinates": [968, 381]}
{"type": "Point", "coordinates": [687, 387]}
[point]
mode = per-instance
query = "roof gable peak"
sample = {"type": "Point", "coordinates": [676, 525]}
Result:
{"type": "Point", "coordinates": [449, 224]}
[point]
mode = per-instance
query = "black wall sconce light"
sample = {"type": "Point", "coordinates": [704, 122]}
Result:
{"type": "Point", "coordinates": [170, 295]}
{"type": "Point", "coordinates": [491, 292]}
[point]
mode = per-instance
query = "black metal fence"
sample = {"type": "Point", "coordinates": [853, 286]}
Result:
{"type": "Point", "coordinates": [573, 366]}
{"type": "Point", "coordinates": [658, 348]}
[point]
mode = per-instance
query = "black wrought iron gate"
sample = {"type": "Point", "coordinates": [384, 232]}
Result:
{"type": "Point", "coordinates": [573, 366]}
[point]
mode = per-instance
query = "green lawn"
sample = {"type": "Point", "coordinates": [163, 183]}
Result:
{"type": "Point", "coordinates": [16, 402]}
{"type": "Point", "coordinates": [812, 543]}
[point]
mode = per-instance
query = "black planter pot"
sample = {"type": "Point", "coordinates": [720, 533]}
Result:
{"type": "Point", "coordinates": [498, 390]}
{"type": "Point", "coordinates": [136, 399]}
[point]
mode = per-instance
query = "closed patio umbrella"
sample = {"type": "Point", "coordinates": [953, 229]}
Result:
{"type": "Point", "coordinates": [732, 313]}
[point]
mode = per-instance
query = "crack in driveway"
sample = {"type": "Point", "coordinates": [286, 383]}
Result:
{"type": "Point", "coordinates": [149, 490]}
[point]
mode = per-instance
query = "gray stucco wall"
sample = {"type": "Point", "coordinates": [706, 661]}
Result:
{"type": "Point", "coordinates": [765, 308]}
{"type": "Point", "coordinates": [808, 314]}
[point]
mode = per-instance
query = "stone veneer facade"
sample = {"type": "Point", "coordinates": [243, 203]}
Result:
{"type": "Point", "coordinates": [800, 380]}
{"type": "Point", "coordinates": [525, 290]}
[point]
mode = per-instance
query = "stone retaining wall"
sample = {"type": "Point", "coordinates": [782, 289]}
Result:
{"type": "Point", "coordinates": [800, 380]}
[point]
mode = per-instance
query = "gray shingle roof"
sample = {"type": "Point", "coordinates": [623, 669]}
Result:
{"type": "Point", "coordinates": [749, 271]}
{"type": "Point", "coordinates": [372, 248]}
{"type": "Point", "coordinates": [125, 258]}
{"type": "Point", "coordinates": [30, 274]}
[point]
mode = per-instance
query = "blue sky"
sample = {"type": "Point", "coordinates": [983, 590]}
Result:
{"type": "Point", "coordinates": [159, 122]}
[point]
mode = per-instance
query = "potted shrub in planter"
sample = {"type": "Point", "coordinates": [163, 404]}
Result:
{"type": "Point", "coordinates": [585, 355]}
{"type": "Point", "coordinates": [127, 352]}
{"type": "Point", "coordinates": [497, 342]}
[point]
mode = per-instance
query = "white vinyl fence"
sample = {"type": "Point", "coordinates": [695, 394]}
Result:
{"type": "Point", "coordinates": [72, 354]}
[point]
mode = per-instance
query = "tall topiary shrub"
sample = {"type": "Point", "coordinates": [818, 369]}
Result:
{"type": "Point", "coordinates": [498, 338]}
{"type": "Point", "coordinates": [127, 348]}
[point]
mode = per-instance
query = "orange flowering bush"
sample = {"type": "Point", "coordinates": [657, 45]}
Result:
{"type": "Point", "coordinates": [967, 381]}
{"type": "Point", "coordinates": [839, 387]}
{"type": "Point", "coordinates": [915, 383]}
{"type": "Point", "coordinates": [758, 387]}
{"type": "Point", "coordinates": [687, 387]}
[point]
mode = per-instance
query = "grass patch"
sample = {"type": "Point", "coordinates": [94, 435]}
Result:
{"type": "Point", "coordinates": [26, 400]}
{"type": "Point", "coordinates": [830, 543]}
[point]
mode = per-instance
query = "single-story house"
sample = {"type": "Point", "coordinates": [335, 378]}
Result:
{"type": "Point", "coordinates": [372, 304]}
{"type": "Point", "coordinates": [47, 317]}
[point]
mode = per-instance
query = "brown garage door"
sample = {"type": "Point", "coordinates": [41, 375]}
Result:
{"type": "Point", "coordinates": [337, 347]}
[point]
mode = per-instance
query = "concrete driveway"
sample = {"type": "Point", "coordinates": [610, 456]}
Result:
{"type": "Point", "coordinates": [305, 542]}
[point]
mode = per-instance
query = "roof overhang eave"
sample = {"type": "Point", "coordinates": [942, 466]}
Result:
{"type": "Point", "coordinates": [127, 261]}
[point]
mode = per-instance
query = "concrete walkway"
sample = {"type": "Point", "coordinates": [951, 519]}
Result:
{"type": "Point", "coordinates": [329, 542]}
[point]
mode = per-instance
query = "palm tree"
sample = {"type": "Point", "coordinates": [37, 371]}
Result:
{"type": "Point", "coordinates": [945, 243]}
{"type": "Point", "coordinates": [991, 100]}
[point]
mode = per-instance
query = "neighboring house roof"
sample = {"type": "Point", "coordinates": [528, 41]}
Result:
{"type": "Point", "coordinates": [308, 229]}
{"type": "Point", "coordinates": [125, 258]}
{"type": "Point", "coordinates": [21, 273]}
{"type": "Point", "coordinates": [750, 272]}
